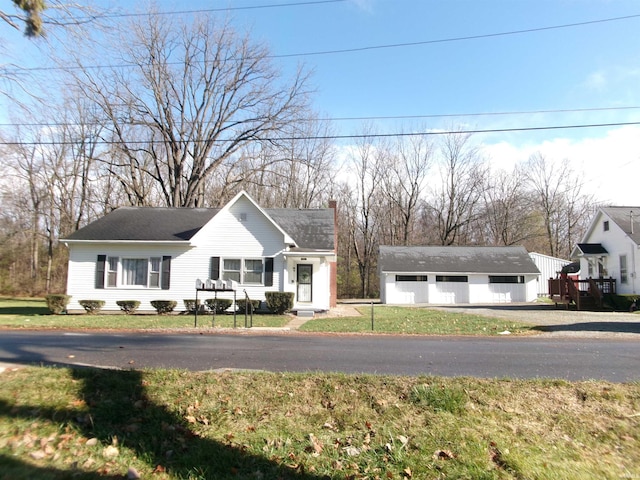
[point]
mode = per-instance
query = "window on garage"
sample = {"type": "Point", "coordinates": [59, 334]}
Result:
{"type": "Point", "coordinates": [411, 278]}
{"type": "Point", "coordinates": [452, 278]}
{"type": "Point", "coordinates": [506, 279]}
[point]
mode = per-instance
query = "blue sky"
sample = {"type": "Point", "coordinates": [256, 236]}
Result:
{"type": "Point", "coordinates": [594, 65]}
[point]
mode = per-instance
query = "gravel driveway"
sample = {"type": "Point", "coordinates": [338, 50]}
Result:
{"type": "Point", "coordinates": [559, 321]}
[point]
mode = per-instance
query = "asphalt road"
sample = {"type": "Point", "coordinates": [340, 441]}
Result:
{"type": "Point", "coordinates": [613, 359]}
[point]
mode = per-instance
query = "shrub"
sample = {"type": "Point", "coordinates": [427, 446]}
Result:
{"type": "Point", "coordinates": [57, 303]}
{"type": "Point", "coordinates": [621, 302]}
{"type": "Point", "coordinates": [164, 306]}
{"type": "Point", "coordinates": [255, 304]}
{"type": "Point", "coordinates": [190, 305]}
{"type": "Point", "coordinates": [218, 305]}
{"type": "Point", "coordinates": [279, 302]}
{"type": "Point", "coordinates": [92, 306]}
{"type": "Point", "coordinates": [128, 306]}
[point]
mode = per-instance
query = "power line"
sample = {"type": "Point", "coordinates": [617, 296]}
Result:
{"type": "Point", "coordinates": [457, 39]}
{"type": "Point", "coordinates": [219, 9]}
{"type": "Point", "coordinates": [387, 117]}
{"type": "Point", "coordinates": [371, 47]}
{"type": "Point", "coordinates": [352, 136]}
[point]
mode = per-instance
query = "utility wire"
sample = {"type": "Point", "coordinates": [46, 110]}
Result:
{"type": "Point", "coordinates": [220, 9]}
{"type": "Point", "coordinates": [367, 48]}
{"type": "Point", "coordinates": [343, 137]}
{"type": "Point", "coordinates": [387, 117]}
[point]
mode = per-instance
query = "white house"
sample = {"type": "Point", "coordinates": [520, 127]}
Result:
{"type": "Point", "coordinates": [146, 254]}
{"type": "Point", "coordinates": [610, 248]}
{"type": "Point", "coordinates": [456, 275]}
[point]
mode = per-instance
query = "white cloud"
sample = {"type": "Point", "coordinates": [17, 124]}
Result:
{"type": "Point", "coordinates": [610, 165]}
{"type": "Point", "coordinates": [596, 81]}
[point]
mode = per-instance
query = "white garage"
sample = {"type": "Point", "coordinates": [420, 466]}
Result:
{"type": "Point", "coordinates": [456, 275]}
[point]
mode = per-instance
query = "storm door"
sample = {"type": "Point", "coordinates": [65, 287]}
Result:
{"type": "Point", "coordinates": [304, 275]}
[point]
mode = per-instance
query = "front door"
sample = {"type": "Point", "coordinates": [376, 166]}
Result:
{"type": "Point", "coordinates": [304, 282]}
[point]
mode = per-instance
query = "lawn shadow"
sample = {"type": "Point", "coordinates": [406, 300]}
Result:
{"type": "Point", "coordinates": [611, 327]}
{"type": "Point", "coordinates": [114, 405]}
{"type": "Point", "coordinates": [24, 307]}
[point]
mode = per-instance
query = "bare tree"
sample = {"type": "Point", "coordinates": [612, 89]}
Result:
{"type": "Point", "coordinates": [560, 201]}
{"type": "Point", "coordinates": [365, 203]}
{"type": "Point", "coordinates": [194, 96]}
{"type": "Point", "coordinates": [455, 202]}
{"type": "Point", "coordinates": [403, 177]}
{"type": "Point", "coordinates": [509, 218]}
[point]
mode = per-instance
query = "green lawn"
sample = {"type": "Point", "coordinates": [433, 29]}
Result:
{"type": "Point", "coordinates": [33, 313]}
{"type": "Point", "coordinates": [415, 320]}
{"type": "Point", "coordinates": [59, 423]}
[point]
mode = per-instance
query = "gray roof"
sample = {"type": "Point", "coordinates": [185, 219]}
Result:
{"type": "Point", "coordinates": [622, 216]}
{"type": "Point", "coordinates": [311, 229]}
{"type": "Point", "coordinates": [445, 259]}
{"type": "Point", "coordinates": [146, 224]}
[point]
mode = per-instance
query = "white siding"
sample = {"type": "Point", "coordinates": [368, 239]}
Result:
{"type": "Point", "coordinates": [549, 267]}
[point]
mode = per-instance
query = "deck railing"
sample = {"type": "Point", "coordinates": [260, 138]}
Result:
{"type": "Point", "coordinates": [569, 290]}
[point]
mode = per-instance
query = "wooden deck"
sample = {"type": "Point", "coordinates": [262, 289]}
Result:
{"type": "Point", "coordinates": [584, 294]}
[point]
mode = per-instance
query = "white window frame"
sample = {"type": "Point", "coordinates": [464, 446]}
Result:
{"type": "Point", "coordinates": [119, 273]}
{"type": "Point", "coordinates": [243, 272]}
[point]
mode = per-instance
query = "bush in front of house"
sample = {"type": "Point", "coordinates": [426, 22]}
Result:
{"type": "Point", "coordinates": [164, 306]}
{"type": "Point", "coordinates": [621, 302]}
{"type": "Point", "coordinates": [190, 305]}
{"type": "Point", "coordinates": [242, 303]}
{"type": "Point", "coordinates": [218, 305]}
{"type": "Point", "coordinates": [57, 303]}
{"type": "Point", "coordinates": [91, 306]}
{"type": "Point", "coordinates": [279, 302]}
{"type": "Point", "coordinates": [128, 306]}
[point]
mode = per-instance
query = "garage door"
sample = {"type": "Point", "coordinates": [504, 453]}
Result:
{"type": "Point", "coordinates": [507, 288]}
{"type": "Point", "coordinates": [410, 289]}
{"type": "Point", "coordinates": [451, 289]}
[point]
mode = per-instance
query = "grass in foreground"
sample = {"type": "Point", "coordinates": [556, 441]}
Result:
{"type": "Point", "coordinates": [416, 320]}
{"type": "Point", "coordinates": [91, 424]}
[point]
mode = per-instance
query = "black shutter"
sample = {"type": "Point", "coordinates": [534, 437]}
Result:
{"type": "Point", "coordinates": [100, 265]}
{"type": "Point", "coordinates": [214, 270]}
{"type": "Point", "coordinates": [166, 272]}
{"type": "Point", "coordinates": [268, 272]}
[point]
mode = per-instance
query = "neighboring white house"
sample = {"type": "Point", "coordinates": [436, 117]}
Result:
{"type": "Point", "coordinates": [549, 267]}
{"type": "Point", "coordinates": [610, 248]}
{"type": "Point", "coordinates": [456, 275]}
{"type": "Point", "coordinates": [145, 254]}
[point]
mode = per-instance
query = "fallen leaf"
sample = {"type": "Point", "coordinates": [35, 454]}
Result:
{"type": "Point", "coordinates": [407, 472]}
{"type": "Point", "coordinates": [38, 455]}
{"type": "Point", "coordinates": [159, 469]}
{"type": "Point", "coordinates": [316, 444]}
{"type": "Point", "coordinates": [110, 452]}
{"type": "Point", "coordinates": [443, 455]}
{"type": "Point", "coordinates": [352, 451]}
